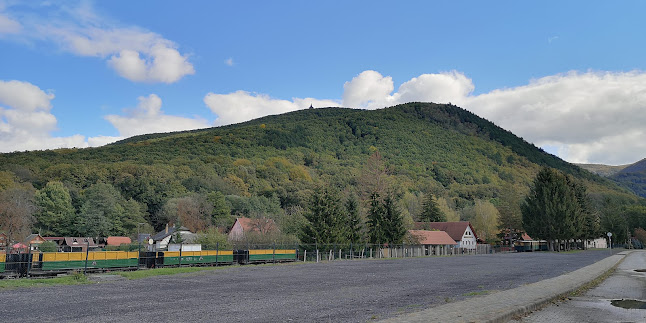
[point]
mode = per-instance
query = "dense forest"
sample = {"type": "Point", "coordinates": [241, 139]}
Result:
{"type": "Point", "coordinates": [412, 155]}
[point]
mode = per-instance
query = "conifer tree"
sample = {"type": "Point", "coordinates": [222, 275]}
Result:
{"type": "Point", "coordinates": [393, 221]}
{"type": "Point", "coordinates": [431, 211]}
{"type": "Point", "coordinates": [324, 216]}
{"type": "Point", "coordinates": [376, 223]}
{"type": "Point", "coordinates": [354, 221]}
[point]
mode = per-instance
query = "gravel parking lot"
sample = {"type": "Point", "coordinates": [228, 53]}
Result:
{"type": "Point", "coordinates": [341, 291]}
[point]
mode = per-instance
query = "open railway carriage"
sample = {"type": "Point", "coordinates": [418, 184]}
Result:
{"type": "Point", "coordinates": [48, 263]}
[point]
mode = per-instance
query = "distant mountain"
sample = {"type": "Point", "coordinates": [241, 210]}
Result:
{"type": "Point", "coordinates": [603, 170]}
{"type": "Point", "coordinates": [633, 177]}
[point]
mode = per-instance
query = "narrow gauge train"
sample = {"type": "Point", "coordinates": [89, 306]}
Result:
{"type": "Point", "coordinates": [51, 263]}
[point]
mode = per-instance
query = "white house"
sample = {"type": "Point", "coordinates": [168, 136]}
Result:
{"type": "Point", "coordinates": [461, 232]}
{"type": "Point", "coordinates": [596, 243]}
{"type": "Point", "coordinates": [162, 239]}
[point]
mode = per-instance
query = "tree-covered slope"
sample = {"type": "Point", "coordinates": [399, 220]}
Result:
{"type": "Point", "coordinates": [633, 177]}
{"type": "Point", "coordinates": [441, 149]}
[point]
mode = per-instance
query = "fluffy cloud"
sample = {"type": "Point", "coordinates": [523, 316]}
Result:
{"type": "Point", "coordinates": [589, 117]}
{"type": "Point", "coordinates": [135, 54]}
{"type": "Point", "coordinates": [368, 90]}
{"type": "Point", "coordinates": [26, 121]}
{"type": "Point", "coordinates": [592, 117]}
{"type": "Point", "coordinates": [242, 106]}
{"type": "Point", "coordinates": [148, 117]}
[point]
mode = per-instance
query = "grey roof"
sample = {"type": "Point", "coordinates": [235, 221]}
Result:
{"type": "Point", "coordinates": [163, 234]}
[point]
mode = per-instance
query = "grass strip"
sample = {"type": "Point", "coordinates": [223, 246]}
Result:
{"type": "Point", "coordinates": [145, 273]}
{"type": "Point", "coordinates": [74, 279]}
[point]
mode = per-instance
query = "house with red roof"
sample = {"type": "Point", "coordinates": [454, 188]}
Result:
{"type": "Point", "coordinates": [243, 226]}
{"type": "Point", "coordinates": [434, 242]}
{"type": "Point", "coordinates": [461, 232]}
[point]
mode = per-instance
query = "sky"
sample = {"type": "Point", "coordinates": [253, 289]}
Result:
{"type": "Point", "coordinates": [567, 76]}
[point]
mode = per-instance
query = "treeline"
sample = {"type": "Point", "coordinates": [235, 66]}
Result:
{"type": "Point", "coordinates": [558, 208]}
{"type": "Point", "coordinates": [274, 166]}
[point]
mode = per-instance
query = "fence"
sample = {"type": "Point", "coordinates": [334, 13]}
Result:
{"type": "Point", "coordinates": [21, 263]}
{"type": "Point", "coordinates": [315, 252]}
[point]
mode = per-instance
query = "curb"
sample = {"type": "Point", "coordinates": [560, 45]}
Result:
{"type": "Point", "coordinates": [503, 306]}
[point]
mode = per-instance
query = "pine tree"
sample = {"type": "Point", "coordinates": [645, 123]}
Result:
{"type": "Point", "coordinates": [325, 219]}
{"type": "Point", "coordinates": [393, 221]}
{"type": "Point", "coordinates": [376, 234]}
{"type": "Point", "coordinates": [551, 210]}
{"type": "Point", "coordinates": [354, 221]}
{"type": "Point", "coordinates": [431, 211]}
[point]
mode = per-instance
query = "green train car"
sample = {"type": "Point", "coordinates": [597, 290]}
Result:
{"type": "Point", "coordinates": [48, 263]}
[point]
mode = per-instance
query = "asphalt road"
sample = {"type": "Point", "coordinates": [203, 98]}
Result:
{"type": "Point", "coordinates": [341, 291]}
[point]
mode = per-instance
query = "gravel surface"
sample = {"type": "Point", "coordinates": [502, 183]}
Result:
{"type": "Point", "coordinates": [341, 291]}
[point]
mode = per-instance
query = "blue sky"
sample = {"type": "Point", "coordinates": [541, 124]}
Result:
{"type": "Point", "coordinates": [567, 76]}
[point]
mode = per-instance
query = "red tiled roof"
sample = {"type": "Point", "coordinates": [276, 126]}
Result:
{"type": "Point", "coordinates": [454, 229]}
{"type": "Point", "coordinates": [525, 237]}
{"type": "Point", "coordinates": [432, 237]}
{"type": "Point", "coordinates": [117, 241]}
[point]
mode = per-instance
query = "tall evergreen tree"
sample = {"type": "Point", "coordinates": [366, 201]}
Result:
{"type": "Point", "coordinates": [551, 210]}
{"type": "Point", "coordinates": [394, 229]}
{"type": "Point", "coordinates": [431, 211]}
{"type": "Point", "coordinates": [354, 221]}
{"type": "Point", "coordinates": [324, 216]}
{"type": "Point", "coordinates": [376, 223]}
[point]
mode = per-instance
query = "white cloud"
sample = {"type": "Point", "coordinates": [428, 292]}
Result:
{"type": "Point", "coordinates": [369, 90]}
{"type": "Point", "coordinates": [592, 117]}
{"type": "Point", "coordinates": [242, 106]}
{"type": "Point", "coordinates": [148, 117]}
{"type": "Point", "coordinates": [8, 25]}
{"type": "Point", "coordinates": [134, 53]}
{"type": "Point", "coordinates": [26, 121]}
{"type": "Point", "coordinates": [229, 61]}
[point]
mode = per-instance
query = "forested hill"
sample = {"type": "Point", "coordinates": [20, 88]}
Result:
{"type": "Point", "coordinates": [276, 161]}
{"type": "Point", "coordinates": [633, 177]}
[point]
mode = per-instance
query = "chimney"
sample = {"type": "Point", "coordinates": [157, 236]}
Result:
{"type": "Point", "coordinates": [166, 227]}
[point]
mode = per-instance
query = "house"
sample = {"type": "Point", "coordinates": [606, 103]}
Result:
{"type": "Point", "coordinates": [243, 226]}
{"type": "Point", "coordinates": [78, 244]}
{"type": "Point", "coordinates": [33, 240]}
{"type": "Point", "coordinates": [163, 238]}
{"type": "Point", "coordinates": [434, 242]}
{"type": "Point", "coordinates": [461, 232]}
{"type": "Point", "coordinates": [117, 241]}
{"type": "Point", "coordinates": [601, 243]}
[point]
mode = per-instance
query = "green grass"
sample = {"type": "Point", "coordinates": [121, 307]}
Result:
{"type": "Point", "coordinates": [145, 273]}
{"type": "Point", "coordinates": [476, 293]}
{"type": "Point", "coordinates": [74, 279]}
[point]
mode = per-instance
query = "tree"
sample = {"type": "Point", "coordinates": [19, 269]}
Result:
{"type": "Point", "coordinates": [385, 223]}
{"type": "Point", "coordinates": [451, 214]}
{"type": "Point", "coordinates": [374, 177]}
{"type": "Point", "coordinates": [105, 212]}
{"type": "Point", "coordinates": [511, 222]}
{"type": "Point", "coordinates": [376, 230]}
{"type": "Point", "coordinates": [16, 212]}
{"type": "Point", "coordinates": [354, 222]}
{"type": "Point", "coordinates": [485, 221]}
{"type": "Point", "coordinates": [57, 215]}
{"type": "Point", "coordinates": [392, 220]}
{"type": "Point", "coordinates": [551, 209]}
{"type": "Point", "coordinates": [325, 219]}
{"type": "Point", "coordinates": [211, 239]}
{"type": "Point", "coordinates": [431, 211]}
